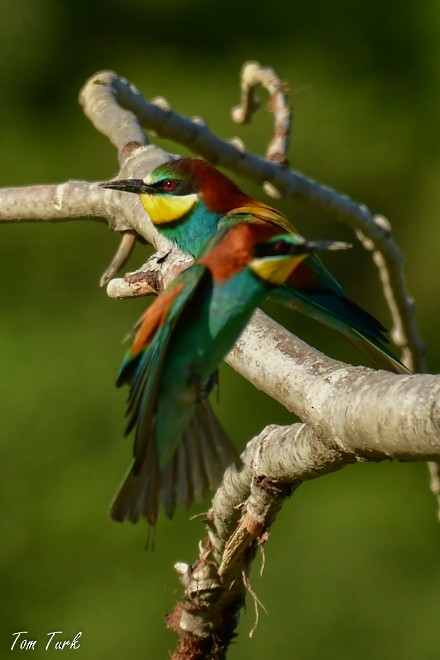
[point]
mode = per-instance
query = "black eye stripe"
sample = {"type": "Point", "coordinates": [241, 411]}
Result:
{"type": "Point", "coordinates": [275, 249]}
{"type": "Point", "coordinates": [180, 187]}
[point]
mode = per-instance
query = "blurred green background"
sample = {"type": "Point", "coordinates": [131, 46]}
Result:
{"type": "Point", "coordinates": [352, 566]}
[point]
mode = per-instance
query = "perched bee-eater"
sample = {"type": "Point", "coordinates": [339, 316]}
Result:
{"type": "Point", "coordinates": [180, 449]}
{"type": "Point", "coordinates": [188, 200]}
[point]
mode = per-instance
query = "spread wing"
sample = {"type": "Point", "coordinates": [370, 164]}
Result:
{"type": "Point", "coordinates": [204, 451]}
{"type": "Point", "coordinates": [143, 363]}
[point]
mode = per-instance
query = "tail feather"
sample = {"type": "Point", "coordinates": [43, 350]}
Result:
{"type": "Point", "coordinates": [139, 493]}
{"type": "Point", "coordinates": [183, 481]}
{"type": "Point", "coordinates": [167, 488]}
{"type": "Point", "coordinates": [219, 452]}
{"type": "Point", "coordinates": [197, 455]}
{"type": "Point", "coordinates": [210, 457]}
{"type": "Point", "coordinates": [197, 466]}
{"type": "Point", "coordinates": [376, 353]}
{"type": "Point", "coordinates": [336, 311]}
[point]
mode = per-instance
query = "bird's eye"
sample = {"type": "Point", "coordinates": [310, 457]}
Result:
{"type": "Point", "coordinates": [281, 247]}
{"type": "Point", "coordinates": [169, 185]}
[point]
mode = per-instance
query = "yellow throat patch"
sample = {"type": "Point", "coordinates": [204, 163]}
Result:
{"type": "Point", "coordinates": [163, 209]}
{"type": "Point", "coordinates": [276, 269]}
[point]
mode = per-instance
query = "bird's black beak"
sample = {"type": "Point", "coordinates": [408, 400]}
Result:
{"type": "Point", "coordinates": [321, 246]}
{"type": "Point", "coordinates": [128, 185]}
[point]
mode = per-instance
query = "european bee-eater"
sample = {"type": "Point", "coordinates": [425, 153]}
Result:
{"type": "Point", "coordinates": [188, 200]}
{"type": "Point", "coordinates": [180, 449]}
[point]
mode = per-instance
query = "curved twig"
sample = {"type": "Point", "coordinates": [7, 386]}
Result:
{"type": "Point", "coordinates": [122, 254]}
{"type": "Point", "coordinates": [252, 76]}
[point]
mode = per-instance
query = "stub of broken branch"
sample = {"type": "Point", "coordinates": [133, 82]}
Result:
{"type": "Point", "coordinates": [152, 277]}
{"type": "Point", "coordinates": [257, 515]}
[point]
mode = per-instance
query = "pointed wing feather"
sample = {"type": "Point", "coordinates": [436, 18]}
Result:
{"type": "Point", "coordinates": [142, 366]}
{"type": "Point", "coordinates": [357, 326]}
{"type": "Point", "coordinates": [377, 353]}
{"type": "Point", "coordinates": [146, 328]}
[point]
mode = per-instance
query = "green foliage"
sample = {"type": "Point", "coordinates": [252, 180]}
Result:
{"type": "Point", "coordinates": [352, 563]}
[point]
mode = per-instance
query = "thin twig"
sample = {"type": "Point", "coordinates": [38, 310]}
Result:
{"type": "Point", "coordinates": [434, 471]}
{"type": "Point", "coordinates": [122, 254]}
{"type": "Point", "coordinates": [252, 76]}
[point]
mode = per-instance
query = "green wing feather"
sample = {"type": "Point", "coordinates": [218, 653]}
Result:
{"type": "Point", "coordinates": [143, 369]}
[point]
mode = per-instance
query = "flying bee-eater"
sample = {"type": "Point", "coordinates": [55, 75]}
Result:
{"type": "Point", "coordinates": [188, 200]}
{"type": "Point", "coordinates": [180, 449]}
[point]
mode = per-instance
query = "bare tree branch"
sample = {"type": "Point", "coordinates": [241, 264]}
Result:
{"type": "Point", "coordinates": [103, 99]}
{"type": "Point", "coordinates": [274, 464]}
{"type": "Point", "coordinates": [65, 201]}
{"type": "Point", "coordinates": [339, 429]}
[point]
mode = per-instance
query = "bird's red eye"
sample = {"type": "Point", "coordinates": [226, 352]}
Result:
{"type": "Point", "coordinates": [280, 247]}
{"type": "Point", "coordinates": [169, 184]}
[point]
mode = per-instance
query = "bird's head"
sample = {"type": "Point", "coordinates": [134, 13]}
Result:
{"type": "Point", "coordinates": [270, 255]}
{"type": "Point", "coordinates": [172, 190]}
{"type": "Point", "coordinates": [276, 258]}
